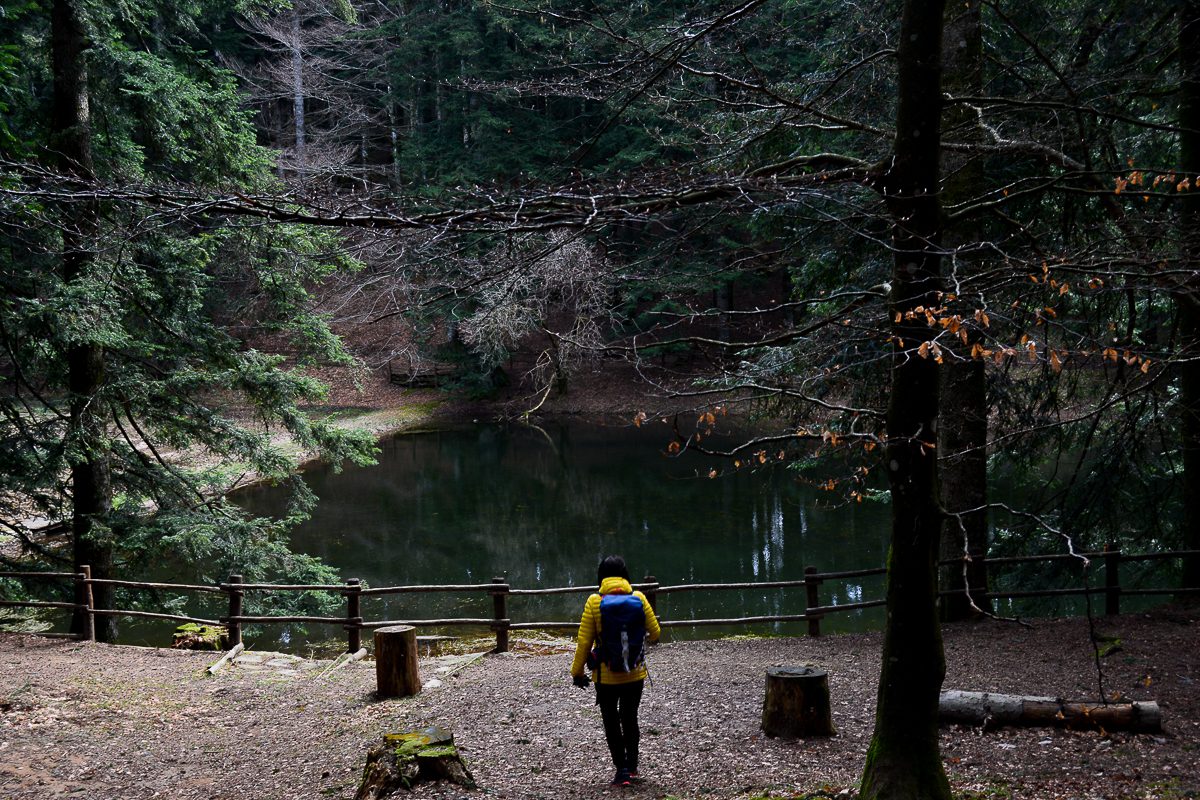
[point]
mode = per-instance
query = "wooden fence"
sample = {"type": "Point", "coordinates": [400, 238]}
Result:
{"type": "Point", "coordinates": [353, 591]}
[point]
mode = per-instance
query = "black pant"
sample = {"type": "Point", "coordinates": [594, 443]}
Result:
{"type": "Point", "coordinates": [618, 708]}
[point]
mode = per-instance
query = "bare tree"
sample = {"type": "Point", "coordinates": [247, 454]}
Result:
{"type": "Point", "coordinates": [308, 75]}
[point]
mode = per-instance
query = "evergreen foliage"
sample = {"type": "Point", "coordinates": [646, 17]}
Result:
{"type": "Point", "coordinates": [181, 310]}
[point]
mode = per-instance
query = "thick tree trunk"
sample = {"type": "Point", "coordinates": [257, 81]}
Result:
{"type": "Point", "coordinates": [91, 483]}
{"type": "Point", "coordinates": [963, 428]}
{"type": "Point", "coordinates": [1188, 299]}
{"type": "Point", "coordinates": [903, 760]}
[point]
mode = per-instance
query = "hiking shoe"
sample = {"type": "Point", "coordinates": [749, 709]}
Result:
{"type": "Point", "coordinates": [622, 778]}
{"type": "Point", "coordinates": [634, 776]}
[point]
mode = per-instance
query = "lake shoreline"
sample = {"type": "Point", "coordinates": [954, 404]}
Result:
{"type": "Point", "coordinates": [367, 401]}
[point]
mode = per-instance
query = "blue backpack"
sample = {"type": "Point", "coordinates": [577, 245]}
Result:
{"type": "Point", "coordinates": [622, 632]}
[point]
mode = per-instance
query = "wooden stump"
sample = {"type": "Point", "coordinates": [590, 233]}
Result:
{"type": "Point", "coordinates": [191, 636]}
{"type": "Point", "coordinates": [405, 759]}
{"type": "Point", "coordinates": [797, 703]}
{"type": "Point", "coordinates": [396, 672]}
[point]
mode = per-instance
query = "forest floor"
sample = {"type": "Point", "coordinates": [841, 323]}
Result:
{"type": "Point", "coordinates": [100, 721]}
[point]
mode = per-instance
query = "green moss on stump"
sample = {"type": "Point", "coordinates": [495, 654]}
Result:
{"type": "Point", "coordinates": [405, 759]}
{"type": "Point", "coordinates": [190, 636]}
{"type": "Point", "coordinates": [439, 751]}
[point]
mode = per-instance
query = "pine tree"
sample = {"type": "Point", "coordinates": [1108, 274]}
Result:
{"type": "Point", "coordinates": [130, 342]}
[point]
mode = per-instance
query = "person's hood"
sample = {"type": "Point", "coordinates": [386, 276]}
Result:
{"type": "Point", "coordinates": [615, 585]}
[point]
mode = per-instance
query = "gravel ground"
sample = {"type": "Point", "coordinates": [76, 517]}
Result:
{"type": "Point", "coordinates": [99, 721]}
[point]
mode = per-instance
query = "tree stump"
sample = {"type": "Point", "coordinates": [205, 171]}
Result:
{"type": "Point", "coordinates": [405, 759]}
{"type": "Point", "coordinates": [396, 672]}
{"type": "Point", "coordinates": [190, 636]}
{"type": "Point", "coordinates": [797, 703]}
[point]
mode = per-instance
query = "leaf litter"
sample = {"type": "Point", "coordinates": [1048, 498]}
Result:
{"type": "Point", "coordinates": [127, 722]}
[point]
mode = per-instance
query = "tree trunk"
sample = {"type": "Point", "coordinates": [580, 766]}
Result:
{"type": "Point", "coordinates": [903, 760]}
{"type": "Point", "coordinates": [465, 105]}
{"type": "Point", "coordinates": [298, 91]}
{"type": "Point", "coordinates": [963, 412]}
{"type": "Point", "coordinates": [1187, 300]}
{"type": "Point", "coordinates": [724, 299]}
{"type": "Point", "coordinates": [91, 482]}
{"type": "Point", "coordinates": [439, 94]}
{"type": "Point", "coordinates": [393, 136]}
{"type": "Point", "coordinates": [962, 440]}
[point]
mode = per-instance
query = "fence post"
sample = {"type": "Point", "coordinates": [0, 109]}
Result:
{"type": "Point", "coordinates": [235, 610]}
{"type": "Point", "coordinates": [84, 598]}
{"type": "Point", "coordinates": [651, 592]}
{"type": "Point", "coordinates": [811, 583]}
{"type": "Point", "coordinates": [500, 613]}
{"type": "Point", "coordinates": [353, 615]}
{"type": "Point", "coordinates": [1112, 579]}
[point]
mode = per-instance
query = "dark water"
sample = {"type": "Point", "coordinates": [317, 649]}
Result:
{"type": "Point", "coordinates": [541, 505]}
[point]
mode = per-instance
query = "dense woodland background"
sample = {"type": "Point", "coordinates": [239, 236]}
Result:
{"type": "Point", "coordinates": [947, 246]}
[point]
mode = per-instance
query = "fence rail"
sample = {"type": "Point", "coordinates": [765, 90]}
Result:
{"type": "Point", "coordinates": [353, 591]}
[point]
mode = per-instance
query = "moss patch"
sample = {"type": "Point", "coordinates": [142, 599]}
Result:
{"type": "Point", "coordinates": [190, 636]}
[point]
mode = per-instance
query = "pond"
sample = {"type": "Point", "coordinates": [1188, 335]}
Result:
{"type": "Point", "coordinates": [541, 505]}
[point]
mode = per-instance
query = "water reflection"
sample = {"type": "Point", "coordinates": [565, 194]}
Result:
{"type": "Point", "coordinates": [540, 506]}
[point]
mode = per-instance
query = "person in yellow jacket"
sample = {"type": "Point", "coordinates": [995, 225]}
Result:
{"type": "Point", "coordinates": [619, 676]}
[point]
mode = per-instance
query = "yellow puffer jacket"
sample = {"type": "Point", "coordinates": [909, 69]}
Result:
{"type": "Point", "coordinates": [589, 632]}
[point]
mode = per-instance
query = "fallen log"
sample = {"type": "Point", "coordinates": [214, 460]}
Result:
{"type": "Point", "coordinates": [343, 660]}
{"type": "Point", "coordinates": [992, 710]}
{"type": "Point", "coordinates": [225, 659]}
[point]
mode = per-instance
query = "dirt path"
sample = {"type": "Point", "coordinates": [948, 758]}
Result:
{"type": "Point", "coordinates": [99, 721]}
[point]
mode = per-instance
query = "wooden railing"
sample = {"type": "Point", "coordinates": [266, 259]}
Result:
{"type": "Point", "coordinates": [353, 592]}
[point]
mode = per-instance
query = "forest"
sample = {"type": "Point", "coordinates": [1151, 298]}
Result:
{"type": "Point", "coordinates": [935, 245]}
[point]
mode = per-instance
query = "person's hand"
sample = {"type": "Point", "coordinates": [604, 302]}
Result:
{"type": "Point", "coordinates": [582, 681]}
